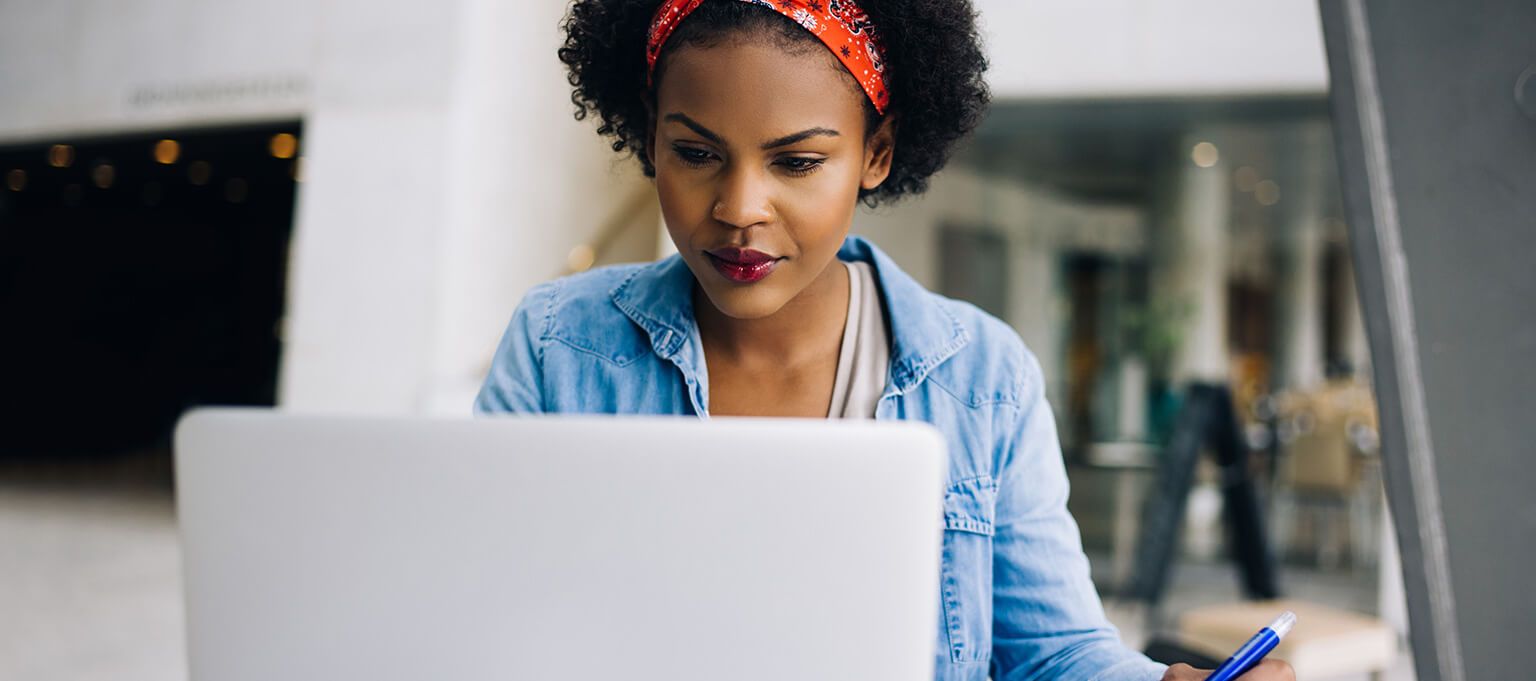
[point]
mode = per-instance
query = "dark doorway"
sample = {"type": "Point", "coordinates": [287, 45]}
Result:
{"type": "Point", "coordinates": [139, 276]}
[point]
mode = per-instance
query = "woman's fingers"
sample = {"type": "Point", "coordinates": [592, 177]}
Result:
{"type": "Point", "coordinates": [1267, 670]}
{"type": "Point", "coordinates": [1270, 670]}
{"type": "Point", "coordinates": [1184, 672]}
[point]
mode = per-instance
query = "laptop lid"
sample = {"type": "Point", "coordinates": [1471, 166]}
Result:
{"type": "Point", "coordinates": [558, 547]}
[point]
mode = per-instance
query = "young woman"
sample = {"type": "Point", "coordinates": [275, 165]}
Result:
{"type": "Point", "coordinates": [765, 123]}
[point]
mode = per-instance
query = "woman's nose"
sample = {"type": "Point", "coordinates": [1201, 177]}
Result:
{"type": "Point", "coordinates": [743, 199]}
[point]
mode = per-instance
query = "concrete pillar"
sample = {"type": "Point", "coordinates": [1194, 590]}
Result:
{"type": "Point", "coordinates": [1300, 322]}
{"type": "Point", "coordinates": [1189, 264]}
{"type": "Point", "coordinates": [525, 184]}
{"type": "Point", "coordinates": [1300, 276]}
{"type": "Point", "coordinates": [1031, 305]}
{"type": "Point", "coordinates": [361, 279]}
{"type": "Point", "coordinates": [444, 177]}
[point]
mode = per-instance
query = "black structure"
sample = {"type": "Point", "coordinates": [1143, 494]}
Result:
{"type": "Point", "coordinates": [137, 279]}
{"type": "Point", "coordinates": [1206, 420]}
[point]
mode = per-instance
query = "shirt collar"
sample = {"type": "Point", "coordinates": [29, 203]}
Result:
{"type": "Point", "coordinates": [659, 298]}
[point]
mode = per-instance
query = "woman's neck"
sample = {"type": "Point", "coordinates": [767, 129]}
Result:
{"type": "Point", "coordinates": [807, 328]}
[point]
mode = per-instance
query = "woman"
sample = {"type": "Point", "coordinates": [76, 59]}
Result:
{"type": "Point", "coordinates": [764, 125]}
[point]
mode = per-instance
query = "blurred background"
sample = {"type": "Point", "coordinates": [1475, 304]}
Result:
{"type": "Point", "coordinates": [335, 205]}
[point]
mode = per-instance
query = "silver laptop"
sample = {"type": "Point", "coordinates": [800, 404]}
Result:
{"type": "Point", "coordinates": [558, 548]}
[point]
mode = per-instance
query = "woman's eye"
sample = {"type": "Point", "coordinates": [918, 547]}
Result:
{"type": "Point", "coordinates": [800, 165]}
{"type": "Point", "coordinates": [692, 156]}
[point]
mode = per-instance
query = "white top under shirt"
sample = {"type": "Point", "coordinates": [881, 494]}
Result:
{"type": "Point", "coordinates": [864, 361]}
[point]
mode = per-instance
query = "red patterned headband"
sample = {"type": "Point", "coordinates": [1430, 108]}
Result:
{"type": "Point", "coordinates": [841, 24]}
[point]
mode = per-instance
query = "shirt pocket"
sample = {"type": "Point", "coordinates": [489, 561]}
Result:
{"type": "Point", "coordinates": [966, 588]}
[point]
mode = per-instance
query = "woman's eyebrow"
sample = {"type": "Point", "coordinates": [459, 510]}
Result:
{"type": "Point", "coordinates": [784, 141]}
{"type": "Point", "coordinates": [693, 125]}
{"type": "Point", "coordinates": [800, 137]}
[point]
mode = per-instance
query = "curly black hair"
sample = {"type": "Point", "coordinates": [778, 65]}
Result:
{"type": "Point", "coordinates": [932, 47]}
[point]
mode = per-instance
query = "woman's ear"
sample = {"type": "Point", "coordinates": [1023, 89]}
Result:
{"type": "Point", "coordinates": [878, 152]}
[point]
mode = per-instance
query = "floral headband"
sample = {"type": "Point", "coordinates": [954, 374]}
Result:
{"type": "Point", "coordinates": [840, 24]}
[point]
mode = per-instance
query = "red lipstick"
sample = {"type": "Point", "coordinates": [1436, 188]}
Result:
{"type": "Point", "coordinates": [742, 265]}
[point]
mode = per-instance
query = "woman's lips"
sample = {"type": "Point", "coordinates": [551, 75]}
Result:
{"type": "Point", "coordinates": [742, 265]}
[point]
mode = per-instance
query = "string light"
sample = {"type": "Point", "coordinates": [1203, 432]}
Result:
{"type": "Point", "coordinates": [1267, 192]}
{"type": "Point", "coordinates": [167, 151]}
{"type": "Point", "coordinates": [283, 145]}
{"type": "Point", "coordinates": [103, 175]}
{"type": "Point", "coordinates": [1205, 154]}
{"type": "Point", "coordinates": [16, 180]}
{"type": "Point", "coordinates": [61, 156]}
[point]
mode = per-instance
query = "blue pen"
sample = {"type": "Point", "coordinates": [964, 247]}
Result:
{"type": "Point", "coordinates": [1255, 649]}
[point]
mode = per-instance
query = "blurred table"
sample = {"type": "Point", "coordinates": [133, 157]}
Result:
{"type": "Point", "coordinates": [1327, 642]}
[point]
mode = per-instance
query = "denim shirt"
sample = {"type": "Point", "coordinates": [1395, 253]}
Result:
{"type": "Point", "coordinates": [1017, 602]}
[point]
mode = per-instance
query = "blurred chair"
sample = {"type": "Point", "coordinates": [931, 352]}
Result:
{"type": "Point", "coordinates": [1327, 643]}
{"type": "Point", "coordinates": [1328, 472]}
{"type": "Point", "coordinates": [1131, 463]}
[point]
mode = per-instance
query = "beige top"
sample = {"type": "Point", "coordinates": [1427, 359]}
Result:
{"type": "Point", "coordinates": [864, 361]}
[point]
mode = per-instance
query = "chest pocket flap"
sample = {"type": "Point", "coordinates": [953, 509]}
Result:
{"type": "Point", "coordinates": [969, 505]}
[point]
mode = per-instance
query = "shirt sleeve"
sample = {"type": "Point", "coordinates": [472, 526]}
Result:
{"type": "Point", "coordinates": [515, 381]}
{"type": "Point", "coordinates": [1048, 621]}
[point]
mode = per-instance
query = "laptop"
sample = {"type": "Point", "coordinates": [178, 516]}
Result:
{"type": "Point", "coordinates": [558, 547]}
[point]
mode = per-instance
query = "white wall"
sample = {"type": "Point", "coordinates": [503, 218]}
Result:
{"type": "Point", "coordinates": [73, 66]}
{"type": "Point", "coordinates": [1123, 48]}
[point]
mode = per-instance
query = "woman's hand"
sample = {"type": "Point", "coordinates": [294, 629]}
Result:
{"type": "Point", "coordinates": [1267, 670]}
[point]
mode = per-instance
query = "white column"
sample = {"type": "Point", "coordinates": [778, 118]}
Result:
{"type": "Point", "coordinates": [1031, 305]}
{"type": "Point", "coordinates": [1301, 254]}
{"type": "Point", "coordinates": [1301, 305]}
{"type": "Point", "coordinates": [361, 289]}
{"type": "Point", "coordinates": [525, 181]}
{"type": "Point", "coordinates": [444, 177]}
{"type": "Point", "coordinates": [1190, 259]}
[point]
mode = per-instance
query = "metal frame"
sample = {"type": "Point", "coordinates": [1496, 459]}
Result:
{"type": "Point", "coordinates": [1382, 278]}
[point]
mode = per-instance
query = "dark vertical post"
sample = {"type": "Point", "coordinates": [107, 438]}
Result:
{"type": "Point", "coordinates": [1437, 153]}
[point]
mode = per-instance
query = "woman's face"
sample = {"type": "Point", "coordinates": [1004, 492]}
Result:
{"type": "Point", "coordinates": [759, 154]}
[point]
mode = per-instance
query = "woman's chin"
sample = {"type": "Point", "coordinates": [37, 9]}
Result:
{"type": "Point", "coordinates": [745, 303]}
